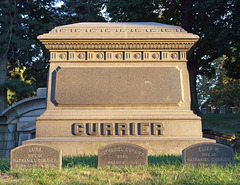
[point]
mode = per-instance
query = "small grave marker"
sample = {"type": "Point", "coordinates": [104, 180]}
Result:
{"type": "Point", "coordinates": [223, 109]}
{"type": "Point", "coordinates": [204, 111]}
{"type": "Point", "coordinates": [122, 154]}
{"type": "Point", "coordinates": [208, 153]}
{"type": "Point", "coordinates": [235, 110]}
{"type": "Point", "coordinates": [28, 156]}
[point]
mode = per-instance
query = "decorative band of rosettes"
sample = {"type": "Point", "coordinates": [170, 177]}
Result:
{"type": "Point", "coordinates": [117, 56]}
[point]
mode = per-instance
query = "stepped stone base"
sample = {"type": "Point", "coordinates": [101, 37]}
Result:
{"type": "Point", "coordinates": [90, 146]}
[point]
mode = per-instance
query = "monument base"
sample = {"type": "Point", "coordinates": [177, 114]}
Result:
{"type": "Point", "coordinates": [90, 146]}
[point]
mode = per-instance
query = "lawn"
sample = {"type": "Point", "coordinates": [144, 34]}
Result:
{"type": "Point", "coordinates": [161, 170]}
{"type": "Point", "coordinates": [226, 123]}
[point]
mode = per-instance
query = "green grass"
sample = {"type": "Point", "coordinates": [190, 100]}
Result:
{"type": "Point", "coordinates": [226, 123]}
{"type": "Point", "coordinates": [165, 169]}
{"type": "Point", "coordinates": [161, 170]}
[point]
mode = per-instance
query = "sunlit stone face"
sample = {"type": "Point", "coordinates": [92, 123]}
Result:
{"type": "Point", "coordinates": [118, 82]}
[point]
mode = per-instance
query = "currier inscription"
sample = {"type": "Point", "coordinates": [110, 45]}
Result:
{"type": "Point", "coordinates": [117, 129]}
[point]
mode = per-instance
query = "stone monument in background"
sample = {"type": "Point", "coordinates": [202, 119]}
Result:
{"type": "Point", "coordinates": [118, 83]}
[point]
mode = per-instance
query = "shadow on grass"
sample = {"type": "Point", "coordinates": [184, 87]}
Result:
{"type": "Point", "coordinates": [92, 161]}
{"type": "Point", "coordinates": [237, 158]}
{"type": "Point", "coordinates": [4, 165]}
{"type": "Point", "coordinates": [165, 159]}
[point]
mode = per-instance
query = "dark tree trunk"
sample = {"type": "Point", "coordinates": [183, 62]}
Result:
{"type": "Point", "coordinates": [187, 24]}
{"type": "Point", "coordinates": [187, 15]}
{"type": "Point", "coordinates": [3, 76]}
{"type": "Point", "coordinates": [192, 69]}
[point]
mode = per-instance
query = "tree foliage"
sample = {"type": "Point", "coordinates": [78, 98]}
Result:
{"type": "Point", "coordinates": [132, 10]}
{"type": "Point", "coordinates": [219, 90]}
{"type": "Point", "coordinates": [21, 22]}
{"type": "Point", "coordinates": [213, 20]}
{"type": "Point", "coordinates": [21, 26]}
{"type": "Point", "coordinates": [226, 92]}
{"type": "Point", "coordinates": [74, 11]}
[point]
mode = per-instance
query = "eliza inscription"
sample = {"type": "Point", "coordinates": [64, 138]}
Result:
{"type": "Point", "coordinates": [117, 129]}
{"type": "Point", "coordinates": [122, 154]}
{"type": "Point", "coordinates": [28, 156]}
{"type": "Point", "coordinates": [208, 153]}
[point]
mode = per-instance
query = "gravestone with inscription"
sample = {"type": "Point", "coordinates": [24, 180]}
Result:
{"type": "Point", "coordinates": [37, 156]}
{"type": "Point", "coordinates": [118, 82]}
{"type": "Point", "coordinates": [122, 154]}
{"type": "Point", "coordinates": [208, 153]}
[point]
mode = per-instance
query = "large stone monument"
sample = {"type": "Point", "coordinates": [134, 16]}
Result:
{"type": "Point", "coordinates": [118, 82]}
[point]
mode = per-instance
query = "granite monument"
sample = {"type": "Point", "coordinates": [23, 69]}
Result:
{"type": "Point", "coordinates": [118, 83]}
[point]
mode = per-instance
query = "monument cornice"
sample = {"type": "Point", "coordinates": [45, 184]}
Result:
{"type": "Point", "coordinates": [126, 30]}
{"type": "Point", "coordinates": [183, 45]}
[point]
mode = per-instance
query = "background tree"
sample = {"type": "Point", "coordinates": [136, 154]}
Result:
{"type": "Point", "coordinates": [226, 92]}
{"type": "Point", "coordinates": [20, 23]}
{"type": "Point", "coordinates": [5, 37]}
{"type": "Point", "coordinates": [132, 10]}
{"type": "Point", "coordinates": [213, 20]}
{"type": "Point", "coordinates": [232, 65]}
{"type": "Point", "coordinates": [74, 11]}
{"type": "Point", "coordinates": [219, 90]}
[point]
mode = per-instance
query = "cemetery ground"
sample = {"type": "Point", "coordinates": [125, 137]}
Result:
{"type": "Point", "coordinates": [161, 169]}
{"type": "Point", "coordinates": [226, 123]}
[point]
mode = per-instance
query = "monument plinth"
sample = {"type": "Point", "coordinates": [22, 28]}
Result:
{"type": "Point", "coordinates": [118, 82]}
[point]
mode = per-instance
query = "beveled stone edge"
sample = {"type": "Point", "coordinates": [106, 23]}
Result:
{"type": "Point", "coordinates": [116, 139]}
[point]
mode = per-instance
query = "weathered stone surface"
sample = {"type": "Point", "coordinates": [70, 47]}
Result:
{"type": "Point", "coordinates": [108, 86]}
{"type": "Point", "coordinates": [208, 153]}
{"type": "Point", "coordinates": [122, 154]}
{"type": "Point", "coordinates": [29, 156]}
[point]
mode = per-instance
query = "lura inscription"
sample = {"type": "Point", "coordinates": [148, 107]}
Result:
{"type": "Point", "coordinates": [28, 156]}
